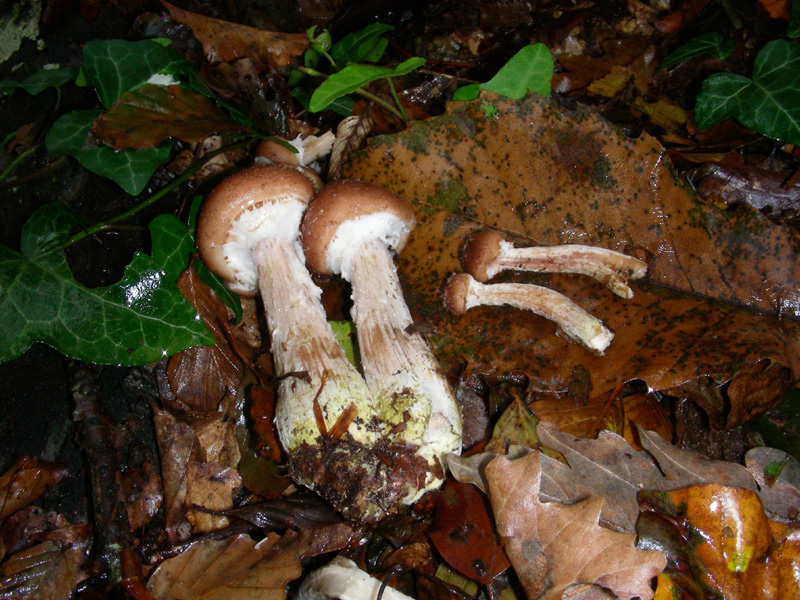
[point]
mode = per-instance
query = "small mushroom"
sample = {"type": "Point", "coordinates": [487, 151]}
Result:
{"type": "Point", "coordinates": [486, 254]}
{"type": "Point", "coordinates": [353, 228]}
{"type": "Point", "coordinates": [463, 292]}
{"type": "Point", "coordinates": [306, 158]}
{"type": "Point", "coordinates": [248, 234]}
{"type": "Point", "coordinates": [342, 579]}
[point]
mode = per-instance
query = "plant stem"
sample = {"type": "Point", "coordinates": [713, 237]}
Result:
{"type": "Point", "coordinates": [396, 99]}
{"type": "Point", "coordinates": [196, 166]}
{"type": "Point", "coordinates": [20, 157]}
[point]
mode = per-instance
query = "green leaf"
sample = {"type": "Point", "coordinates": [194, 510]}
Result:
{"type": "Point", "coordinates": [138, 320]}
{"type": "Point", "coordinates": [341, 106]}
{"type": "Point", "coordinates": [41, 80]}
{"type": "Point", "coordinates": [706, 43]}
{"type": "Point", "coordinates": [366, 45]}
{"type": "Point", "coordinates": [467, 92]}
{"type": "Point", "coordinates": [769, 103]}
{"type": "Point", "coordinates": [794, 20]}
{"type": "Point", "coordinates": [530, 69]}
{"type": "Point", "coordinates": [345, 333]}
{"type": "Point", "coordinates": [354, 77]}
{"type": "Point", "coordinates": [114, 67]}
{"type": "Point", "coordinates": [130, 169]}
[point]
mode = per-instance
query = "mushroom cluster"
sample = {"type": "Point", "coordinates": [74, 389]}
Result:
{"type": "Point", "coordinates": [486, 253]}
{"type": "Point", "coordinates": [371, 444]}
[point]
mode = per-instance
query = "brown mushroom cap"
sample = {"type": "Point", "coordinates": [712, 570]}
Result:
{"type": "Point", "coordinates": [480, 249]}
{"type": "Point", "coordinates": [277, 153]}
{"type": "Point", "coordinates": [246, 207]}
{"type": "Point", "coordinates": [345, 201]}
{"type": "Point", "coordinates": [454, 295]}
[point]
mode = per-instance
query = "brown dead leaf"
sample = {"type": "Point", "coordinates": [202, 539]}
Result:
{"type": "Point", "coordinates": [540, 538]}
{"type": "Point", "coordinates": [175, 444]}
{"type": "Point", "coordinates": [238, 568]}
{"type": "Point", "coordinates": [169, 111]}
{"type": "Point", "coordinates": [721, 289]}
{"type": "Point", "coordinates": [778, 476]}
{"type": "Point", "coordinates": [777, 9]}
{"type": "Point", "coordinates": [225, 42]}
{"type": "Point", "coordinates": [26, 480]}
{"type": "Point", "coordinates": [143, 494]}
{"type": "Point", "coordinates": [209, 487]}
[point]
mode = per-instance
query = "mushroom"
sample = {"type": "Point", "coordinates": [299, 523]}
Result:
{"type": "Point", "coordinates": [463, 292]}
{"type": "Point", "coordinates": [309, 151]}
{"type": "Point", "coordinates": [352, 228]}
{"type": "Point", "coordinates": [486, 253]}
{"type": "Point", "coordinates": [342, 579]}
{"type": "Point", "coordinates": [248, 234]}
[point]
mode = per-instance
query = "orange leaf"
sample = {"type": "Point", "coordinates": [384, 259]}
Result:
{"type": "Point", "coordinates": [224, 41]}
{"type": "Point", "coordinates": [25, 481]}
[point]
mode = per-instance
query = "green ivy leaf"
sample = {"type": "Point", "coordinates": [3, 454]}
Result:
{"type": "Point", "coordinates": [529, 70]}
{"type": "Point", "coordinates": [353, 77]}
{"type": "Point", "coordinates": [769, 103]}
{"type": "Point", "coordinates": [130, 169]}
{"type": "Point", "coordinates": [138, 320]}
{"type": "Point", "coordinates": [114, 67]}
{"type": "Point", "coordinates": [41, 80]}
{"type": "Point", "coordinates": [794, 19]}
{"type": "Point", "coordinates": [712, 44]}
{"type": "Point", "coordinates": [366, 45]}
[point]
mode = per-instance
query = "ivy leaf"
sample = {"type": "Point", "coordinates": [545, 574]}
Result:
{"type": "Point", "coordinates": [40, 80]}
{"type": "Point", "coordinates": [529, 70]}
{"type": "Point", "coordinates": [169, 111]}
{"type": "Point", "coordinates": [130, 169]}
{"type": "Point", "coordinates": [135, 321]}
{"type": "Point", "coordinates": [114, 67]}
{"type": "Point", "coordinates": [769, 103]}
{"type": "Point", "coordinates": [354, 77]}
{"type": "Point", "coordinates": [706, 43]}
{"type": "Point", "coordinates": [366, 45]}
{"type": "Point", "coordinates": [794, 19]}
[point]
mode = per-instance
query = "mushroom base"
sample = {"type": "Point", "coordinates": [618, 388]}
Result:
{"type": "Point", "coordinates": [364, 483]}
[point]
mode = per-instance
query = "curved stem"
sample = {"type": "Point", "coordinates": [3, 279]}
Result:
{"type": "Point", "coordinates": [102, 226]}
{"type": "Point", "coordinates": [20, 157]}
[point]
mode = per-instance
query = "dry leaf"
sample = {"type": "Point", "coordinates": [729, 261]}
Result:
{"type": "Point", "coordinates": [224, 41]}
{"type": "Point", "coordinates": [169, 111]}
{"type": "Point", "coordinates": [143, 494]}
{"type": "Point", "coordinates": [554, 546]}
{"type": "Point", "coordinates": [237, 568]}
{"type": "Point", "coordinates": [717, 281]}
{"type": "Point", "coordinates": [175, 444]}
{"type": "Point", "coordinates": [27, 479]}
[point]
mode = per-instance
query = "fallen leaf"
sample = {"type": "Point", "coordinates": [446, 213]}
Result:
{"type": "Point", "coordinates": [175, 443]}
{"type": "Point", "coordinates": [224, 41]}
{"type": "Point", "coordinates": [143, 494]}
{"type": "Point", "coordinates": [26, 480]}
{"type": "Point", "coordinates": [209, 487]}
{"type": "Point", "coordinates": [516, 426]}
{"type": "Point", "coordinates": [237, 568]}
{"type": "Point", "coordinates": [554, 546]}
{"type": "Point", "coordinates": [463, 534]}
{"type": "Point", "coordinates": [720, 293]}
{"type": "Point", "coordinates": [169, 111]}
{"type": "Point", "coordinates": [778, 476]}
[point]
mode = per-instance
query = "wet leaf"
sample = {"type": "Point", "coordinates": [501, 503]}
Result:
{"type": "Point", "coordinates": [26, 480]}
{"type": "Point", "coordinates": [529, 70]}
{"type": "Point", "coordinates": [705, 43]}
{"type": "Point", "coordinates": [540, 538]}
{"type": "Point", "coordinates": [209, 488]}
{"type": "Point", "coordinates": [40, 80]}
{"type": "Point", "coordinates": [133, 322]}
{"type": "Point", "coordinates": [169, 111]}
{"type": "Point", "coordinates": [767, 103]}
{"type": "Point", "coordinates": [224, 41]}
{"type": "Point", "coordinates": [778, 478]}
{"type": "Point", "coordinates": [46, 571]}
{"type": "Point", "coordinates": [237, 568]}
{"type": "Point", "coordinates": [516, 426]}
{"type": "Point", "coordinates": [717, 280]}
{"type": "Point", "coordinates": [464, 535]}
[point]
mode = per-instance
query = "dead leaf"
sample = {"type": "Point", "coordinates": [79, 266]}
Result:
{"type": "Point", "coordinates": [143, 494]}
{"type": "Point", "coordinates": [169, 111]}
{"type": "Point", "coordinates": [175, 444]}
{"type": "Point", "coordinates": [717, 283]}
{"type": "Point", "coordinates": [224, 41]}
{"type": "Point", "coordinates": [778, 476]}
{"type": "Point", "coordinates": [554, 546]}
{"type": "Point", "coordinates": [26, 480]}
{"type": "Point", "coordinates": [209, 487]}
{"type": "Point", "coordinates": [464, 535]}
{"type": "Point", "coordinates": [237, 568]}
{"type": "Point", "coordinates": [516, 426]}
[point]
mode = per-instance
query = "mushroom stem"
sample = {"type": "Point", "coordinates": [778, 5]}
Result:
{"type": "Point", "coordinates": [486, 254]}
{"type": "Point", "coordinates": [315, 376]}
{"type": "Point", "coordinates": [464, 292]}
{"type": "Point", "coordinates": [414, 399]}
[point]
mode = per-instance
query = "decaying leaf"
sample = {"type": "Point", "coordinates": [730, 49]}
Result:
{"type": "Point", "coordinates": [27, 479]}
{"type": "Point", "coordinates": [237, 568]}
{"type": "Point", "coordinates": [175, 443]}
{"type": "Point", "coordinates": [224, 41]}
{"type": "Point", "coordinates": [717, 280]}
{"type": "Point", "coordinates": [554, 547]}
{"type": "Point", "coordinates": [169, 111]}
{"type": "Point", "coordinates": [209, 487]}
{"type": "Point", "coordinates": [778, 476]}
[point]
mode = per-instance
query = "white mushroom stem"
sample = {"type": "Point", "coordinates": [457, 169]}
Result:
{"type": "Point", "coordinates": [611, 268]}
{"type": "Point", "coordinates": [415, 400]}
{"type": "Point", "coordinates": [463, 292]}
{"type": "Point", "coordinates": [487, 254]}
{"type": "Point", "coordinates": [316, 377]}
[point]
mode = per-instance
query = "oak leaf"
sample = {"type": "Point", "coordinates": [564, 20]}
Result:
{"type": "Point", "coordinates": [555, 547]}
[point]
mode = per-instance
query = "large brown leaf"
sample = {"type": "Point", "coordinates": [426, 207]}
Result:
{"type": "Point", "coordinates": [224, 41]}
{"type": "Point", "coordinates": [553, 546]}
{"type": "Point", "coordinates": [721, 290]}
{"type": "Point", "coordinates": [27, 479]}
